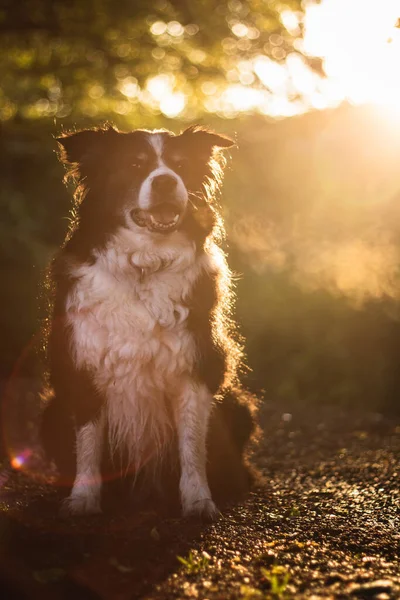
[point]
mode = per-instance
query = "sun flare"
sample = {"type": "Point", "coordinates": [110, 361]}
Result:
{"type": "Point", "coordinates": [360, 46]}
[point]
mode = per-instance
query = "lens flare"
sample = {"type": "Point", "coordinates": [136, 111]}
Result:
{"type": "Point", "coordinates": [18, 462]}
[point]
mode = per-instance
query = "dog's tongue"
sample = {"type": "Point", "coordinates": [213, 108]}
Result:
{"type": "Point", "coordinates": [164, 214]}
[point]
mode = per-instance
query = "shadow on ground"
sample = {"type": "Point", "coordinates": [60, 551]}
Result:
{"type": "Point", "coordinates": [114, 555]}
{"type": "Point", "coordinates": [325, 525]}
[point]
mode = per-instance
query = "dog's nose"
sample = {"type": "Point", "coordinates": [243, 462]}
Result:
{"type": "Point", "coordinates": [164, 184]}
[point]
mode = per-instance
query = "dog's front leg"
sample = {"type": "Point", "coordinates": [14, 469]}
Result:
{"type": "Point", "coordinates": [85, 495]}
{"type": "Point", "coordinates": [191, 416]}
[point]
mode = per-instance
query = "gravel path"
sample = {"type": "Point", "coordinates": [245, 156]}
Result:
{"type": "Point", "coordinates": [324, 525]}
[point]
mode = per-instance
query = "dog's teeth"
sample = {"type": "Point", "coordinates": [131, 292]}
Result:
{"type": "Point", "coordinates": [164, 225]}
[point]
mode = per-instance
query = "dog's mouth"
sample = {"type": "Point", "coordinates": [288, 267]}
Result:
{"type": "Point", "coordinates": [163, 218]}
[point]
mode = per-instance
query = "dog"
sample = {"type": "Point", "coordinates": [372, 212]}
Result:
{"type": "Point", "coordinates": [142, 350]}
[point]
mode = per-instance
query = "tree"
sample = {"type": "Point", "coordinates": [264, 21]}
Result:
{"type": "Point", "coordinates": [101, 58]}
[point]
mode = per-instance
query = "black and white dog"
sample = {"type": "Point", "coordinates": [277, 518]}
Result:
{"type": "Point", "coordinates": [141, 340]}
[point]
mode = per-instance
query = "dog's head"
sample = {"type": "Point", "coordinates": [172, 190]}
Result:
{"type": "Point", "coordinates": [149, 180]}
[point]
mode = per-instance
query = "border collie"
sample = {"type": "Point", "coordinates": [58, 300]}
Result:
{"type": "Point", "coordinates": [141, 344]}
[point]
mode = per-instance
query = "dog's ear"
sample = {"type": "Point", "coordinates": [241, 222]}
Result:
{"type": "Point", "coordinates": [83, 147]}
{"type": "Point", "coordinates": [206, 138]}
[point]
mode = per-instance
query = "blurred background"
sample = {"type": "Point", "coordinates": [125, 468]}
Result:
{"type": "Point", "coordinates": [310, 91]}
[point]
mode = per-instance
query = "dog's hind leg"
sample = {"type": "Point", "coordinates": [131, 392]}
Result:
{"type": "Point", "coordinates": [191, 417]}
{"type": "Point", "coordinates": [85, 496]}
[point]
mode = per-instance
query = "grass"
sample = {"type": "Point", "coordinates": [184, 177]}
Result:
{"type": "Point", "coordinates": [195, 562]}
{"type": "Point", "coordinates": [277, 578]}
{"type": "Point", "coordinates": [294, 511]}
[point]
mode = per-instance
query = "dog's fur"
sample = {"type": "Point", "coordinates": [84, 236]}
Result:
{"type": "Point", "coordinates": [141, 343]}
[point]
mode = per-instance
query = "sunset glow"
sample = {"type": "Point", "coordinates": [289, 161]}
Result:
{"type": "Point", "coordinates": [360, 46]}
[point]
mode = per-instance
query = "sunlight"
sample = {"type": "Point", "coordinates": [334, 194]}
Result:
{"type": "Point", "coordinates": [129, 87]}
{"type": "Point", "coordinates": [272, 74]}
{"type": "Point", "coordinates": [360, 45]}
{"type": "Point", "coordinates": [159, 86]}
{"type": "Point", "coordinates": [173, 104]}
{"type": "Point", "coordinates": [360, 48]}
{"type": "Point", "coordinates": [161, 95]}
{"type": "Point", "coordinates": [357, 41]}
{"type": "Point", "coordinates": [238, 98]}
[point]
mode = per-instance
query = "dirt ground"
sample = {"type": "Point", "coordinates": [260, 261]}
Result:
{"type": "Point", "coordinates": [324, 525]}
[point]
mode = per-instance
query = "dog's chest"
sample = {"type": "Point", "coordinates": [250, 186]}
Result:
{"type": "Point", "coordinates": [132, 324]}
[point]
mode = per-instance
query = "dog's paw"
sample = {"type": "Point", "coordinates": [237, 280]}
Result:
{"type": "Point", "coordinates": [76, 506]}
{"type": "Point", "coordinates": [204, 509]}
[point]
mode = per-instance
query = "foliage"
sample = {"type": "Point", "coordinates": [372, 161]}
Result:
{"type": "Point", "coordinates": [195, 561]}
{"type": "Point", "coordinates": [277, 579]}
{"type": "Point", "coordinates": [31, 198]}
{"type": "Point", "coordinates": [91, 59]}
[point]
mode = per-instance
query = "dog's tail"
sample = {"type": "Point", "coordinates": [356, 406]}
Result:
{"type": "Point", "coordinates": [57, 435]}
{"type": "Point", "coordinates": [232, 433]}
{"type": "Point", "coordinates": [239, 409]}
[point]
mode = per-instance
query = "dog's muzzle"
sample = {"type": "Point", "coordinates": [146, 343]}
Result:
{"type": "Point", "coordinates": [166, 206]}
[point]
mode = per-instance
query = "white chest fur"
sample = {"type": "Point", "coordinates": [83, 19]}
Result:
{"type": "Point", "coordinates": [128, 316]}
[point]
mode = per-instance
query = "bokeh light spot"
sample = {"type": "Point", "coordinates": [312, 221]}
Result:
{"type": "Point", "coordinates": [240, 30]}
{"type": "Point", "coordinates": [158, 28]}
{"type": "Point", "coordinates": [175, 29]}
